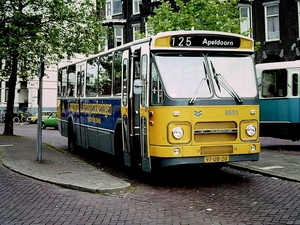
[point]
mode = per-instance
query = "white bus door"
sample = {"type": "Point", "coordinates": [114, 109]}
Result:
{"type": "Point", "coordinates": [133, 111]}
{"type": "Point", "coordinates": [144, 80]}
{"type": "Point", "coordinates": [125, 107]}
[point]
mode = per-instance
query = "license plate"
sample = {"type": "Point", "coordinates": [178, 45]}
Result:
{"type": "Point", "coordinates": [213, 159]}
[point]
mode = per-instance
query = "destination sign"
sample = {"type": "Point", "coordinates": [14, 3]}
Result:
{"type": "Point", "coordinates": [210, 41]}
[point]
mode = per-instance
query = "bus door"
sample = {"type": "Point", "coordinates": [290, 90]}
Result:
{"type": "Point", "coordinates": [125, 112]}
{"type": "Point", "coordinates": [141, 91]}
{"type": "Point", "coordinates": [130, 108]}
{"type": "Point", "coordinates": [135, 107]}
{"type": "Point", "coordinates": [79, 118]}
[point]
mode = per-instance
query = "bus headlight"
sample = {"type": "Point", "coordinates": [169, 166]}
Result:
{"type": "Point", "coordinates": [177, 132]}
{"type": "Point", "coordinates": [251, 130]}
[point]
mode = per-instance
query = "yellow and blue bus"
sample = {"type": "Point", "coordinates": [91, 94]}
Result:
{"type": "Point", "coordinates": [176, 98]}
{"type": "Point", "coordinates": [279, 99]}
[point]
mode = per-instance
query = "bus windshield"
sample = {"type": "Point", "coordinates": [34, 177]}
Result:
{"type": "Point", "coordinates": [237, 72]}
{"type": "Point", "coordinates": [181, 76]}
{"type": "Point", "coordinates": [188, 76]}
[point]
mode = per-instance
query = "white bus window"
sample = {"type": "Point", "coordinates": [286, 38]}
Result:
{"type": "Point", "coordinates": [105, 75]}
{"type": "Point", "coordinates": [156, 86]}
{"type": "Point", "coordinates": [71, 81]}
{"type": "Point", "coordinates": [144, 79]}
{"type": "Point", "coordinates": [274, 83]}
{"type": "Point", "coordinates": [80, 83]}
{"type": "Point", "coordinates": [59, 83]}
{"type": "Point", "coordinates": [91, 78]}
{"type": "Point", "coordinates": [117, 73]}
{"type": "Point", "coordinates": [125, 81]}
{"type": "Point", "coordinates": [64, 82]}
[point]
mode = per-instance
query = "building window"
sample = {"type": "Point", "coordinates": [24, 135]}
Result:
{"type": "Point", "coordinates": [117, 7]}
{"type": "Point", "coordinates": [113, 7]}
{"type": "Point", "coordinates": [136, 30]}
{"type": "Point", "coordinates": [246, 15]}
{"type": "Point", "coordinates": [272, 21]}
{"type": "Point", "coordinates": [108, 9]}
{"type": "Point", "coordinates": [118, 31]}
{"type": "Point", "coordinates": [136, 6]}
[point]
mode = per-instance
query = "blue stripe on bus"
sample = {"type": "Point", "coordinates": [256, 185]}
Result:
{"type": "Point", "coordinates": [280, 110]}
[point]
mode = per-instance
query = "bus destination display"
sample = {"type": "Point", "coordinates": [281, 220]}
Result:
{"type": "Point", "coordinates": [205, 41]}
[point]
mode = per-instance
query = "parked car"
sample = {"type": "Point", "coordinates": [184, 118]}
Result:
{"type": "Point", "coordinates": [51, 121]}
{"type": "Point", "coordinates": [34, 119]}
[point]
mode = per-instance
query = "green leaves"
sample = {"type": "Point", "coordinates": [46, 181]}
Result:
{"type": "Point", "coordinates": [213, 15]}
{"type": "Point", "coordinates": [55, 27]}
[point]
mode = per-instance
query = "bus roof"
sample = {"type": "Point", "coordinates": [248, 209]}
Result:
{"type": "Point", "coordinates": [278, 65]}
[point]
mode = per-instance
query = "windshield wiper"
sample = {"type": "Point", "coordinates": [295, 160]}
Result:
{"type": "Point", "coordinates": [193, 99]}
{"type": "Point", "coordinates": [220, 81]}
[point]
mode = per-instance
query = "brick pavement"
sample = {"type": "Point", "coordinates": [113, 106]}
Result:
{"type": "Point", "coordinates": [230, 197]}
{"type": "Point", "coordinates": [62, 168]}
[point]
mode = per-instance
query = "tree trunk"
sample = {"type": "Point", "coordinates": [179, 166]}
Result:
{"type": "Point", "coordinates": [9, 129]}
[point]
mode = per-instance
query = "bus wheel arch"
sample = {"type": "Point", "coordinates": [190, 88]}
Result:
{"type": "Point", "coordinates": [72, 142]}
{"type": "Point", "coordinates": [118, 144]}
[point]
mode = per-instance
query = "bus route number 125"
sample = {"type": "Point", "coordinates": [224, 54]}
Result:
{"type": "Point", "coordinates": [181, 41]}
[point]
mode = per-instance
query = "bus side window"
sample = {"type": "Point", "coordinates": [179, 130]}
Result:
{"type": "Point", "coordinates": [274, 83]}
{"type": "Point", "coordinates": [64, 82]}
{"type": "Point", "coordinates": [117, 73]}
{"type": "Point", "coordinates": [92, 78]}
{"type": "Point", "coordinates": [156, 87]}
{"type": "Point", "coordinates": [71, 81]}
{"type": "Point", "coordinates": [80, 77]}
{"type": "Point", "coordinates": [144, 79]}
{"type": "Point", "coordinates": [105, 75]}
{"type": "Point", "coordinates": [125, 81]}
{"type": "Point", "coordinates": [59, 83]}
{"type": "Point", "coordinates": [295, 84]}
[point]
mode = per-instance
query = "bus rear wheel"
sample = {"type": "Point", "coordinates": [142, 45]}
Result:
{"type": "Point", "coordinates": [72, 146]}
{"type": "Point", "coordinates": [119, 154]}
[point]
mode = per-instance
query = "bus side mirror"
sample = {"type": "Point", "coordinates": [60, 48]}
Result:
{"type": "Point", "coordinates": [138, 86]}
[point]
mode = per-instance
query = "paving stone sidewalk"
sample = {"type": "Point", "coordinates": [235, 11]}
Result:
{"type": "Point", "coordinates": [278, 158]}
{"type": "Point", "coordinates": [19, 154]}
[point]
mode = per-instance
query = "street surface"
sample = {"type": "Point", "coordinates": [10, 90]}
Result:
{"type": "Point", "coordinates": [186, 196]}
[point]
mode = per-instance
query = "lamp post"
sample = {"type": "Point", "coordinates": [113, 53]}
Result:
{"type": "Point", "coordinates": [40, 107]}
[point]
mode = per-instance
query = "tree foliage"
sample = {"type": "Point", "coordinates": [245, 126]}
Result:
{"type": "Point", "coordinates": [215, 15]}
{"type": "Point", "coordinates": [55, 28]}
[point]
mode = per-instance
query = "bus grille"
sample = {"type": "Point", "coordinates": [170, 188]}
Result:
{"type": "Point", "coordinates": [215, 131]}
{"type": "Point", "coordinates": [216, 150]}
